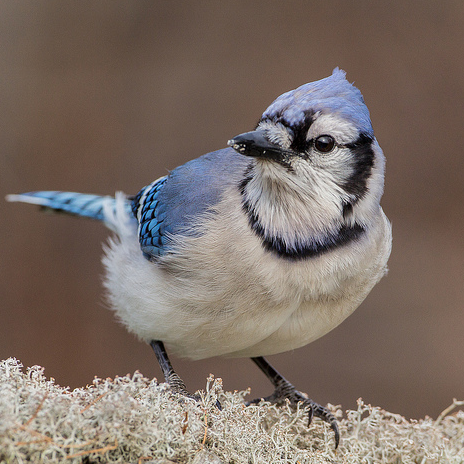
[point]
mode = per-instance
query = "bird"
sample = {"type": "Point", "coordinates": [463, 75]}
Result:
{"type": "Point", "coordinates": [254, 249]}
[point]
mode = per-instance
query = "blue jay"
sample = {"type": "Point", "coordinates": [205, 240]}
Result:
{"type": "Point", "coordinates": [254, 249]}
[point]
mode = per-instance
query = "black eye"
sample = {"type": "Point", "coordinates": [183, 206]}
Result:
{"type": "Point", "coordinates": [324, 143]}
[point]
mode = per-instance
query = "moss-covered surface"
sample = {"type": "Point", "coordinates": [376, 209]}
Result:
{"type": "Point", "coordinates": [133, 419]}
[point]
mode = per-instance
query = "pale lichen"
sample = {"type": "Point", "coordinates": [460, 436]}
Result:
{"type": "Point", "coordinates": [133, 419]}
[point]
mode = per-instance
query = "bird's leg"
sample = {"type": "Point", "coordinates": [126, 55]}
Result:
{"type": "Point", "coordinates": [285, 390]}
{"type": "Point", "coordinates": [170, 376]}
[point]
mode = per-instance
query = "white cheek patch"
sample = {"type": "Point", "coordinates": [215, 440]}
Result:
{"type": "Point", "coordinates": [342, 130]}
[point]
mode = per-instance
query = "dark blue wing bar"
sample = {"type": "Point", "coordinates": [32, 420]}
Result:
{"type": "Point", "coordinates": [150, 214]}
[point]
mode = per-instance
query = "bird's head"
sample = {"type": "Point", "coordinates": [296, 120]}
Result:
{"type": "Point", "coordinates": [318, 141]}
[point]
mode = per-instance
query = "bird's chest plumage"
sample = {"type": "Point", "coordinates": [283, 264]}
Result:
{"type": "Point", "coordinates": [237, 298]}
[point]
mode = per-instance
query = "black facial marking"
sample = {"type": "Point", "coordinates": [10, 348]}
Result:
{"type": "Point", "coordinates": [347, 209]}
{"type": "Point", "coordinates": [253, 219]}
{"type": "Point", "coordinates": [300, 131]}
{"type": "Point", "coordinates": [363, 156]}
{"type": "Point", "coordinates": [247, 177]}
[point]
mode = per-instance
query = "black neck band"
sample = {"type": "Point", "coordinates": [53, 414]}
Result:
{"type": "Point", "coordinates": [309, 248]}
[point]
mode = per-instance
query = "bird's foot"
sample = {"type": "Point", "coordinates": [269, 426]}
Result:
{"type": "Point", "coordinates": [177, 386]}
{"type": "Point", "coordinates": [175, 383]}
{"type": "Point", "coordinates": [286, 391]}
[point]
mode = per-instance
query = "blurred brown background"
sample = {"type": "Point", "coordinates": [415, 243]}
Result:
{"type": "Point", "coordinates": [109, 95]}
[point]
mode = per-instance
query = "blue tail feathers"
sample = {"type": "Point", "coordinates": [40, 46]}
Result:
{"type": "Point", "coordinates": [77, 204]}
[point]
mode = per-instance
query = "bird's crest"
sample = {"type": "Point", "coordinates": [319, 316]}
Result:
{"type": "Point", "coordinates": [332, 94]}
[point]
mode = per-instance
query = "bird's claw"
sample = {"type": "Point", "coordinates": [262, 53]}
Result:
{"type": "Point", "coordinates": [285, 391]}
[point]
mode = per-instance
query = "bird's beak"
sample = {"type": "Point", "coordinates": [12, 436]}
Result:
{"type": "Point", "coordinates": [256, 144]}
